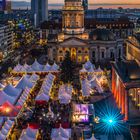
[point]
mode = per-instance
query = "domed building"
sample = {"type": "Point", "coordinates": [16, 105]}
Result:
{"type": "Point", "coordinates": [98, 45]}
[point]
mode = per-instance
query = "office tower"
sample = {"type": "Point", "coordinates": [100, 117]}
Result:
{"type": "Point", "coordinates": [39, 11]}
{"type": "Point", "coordinates": [85, 4]}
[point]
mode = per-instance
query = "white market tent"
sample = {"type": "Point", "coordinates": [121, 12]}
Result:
{"type": "Point", "coordinates": [61, 132]}
{"type": "Point", "coordinates": [88, 67]}
{"type": "Point", "coordinates": [34, 78]}
{"type": "Point", "coordinates": [99, 70]}
{"type": "Point", "coordinates": [42, 97]}
{"type": "Point", "coordinates": [94, 84]}
{"type": "Point", "coordinates": [92, 138]}
{"type": "Point", "coordinates": [24, 82]}
{"type": "Point", "coordinates": [65, 94]}
{"type": "Point", "coordinates": [29, 134]}
{"type": "Point", "coordinates": [36, 67]}
{"type": "Point", "coordinates": [4, 97]}
{"type": "Point", "coordinates": [23, 97]}
{"type": "Point", "coordinates": [47, 67]}
{"type": "Point", "coordinates": [5, 129]}
{"type": "Point", "coordinates": [12, 91]}
{"type": "Point", "coordinates": [60, 138]}
{"type": "Point", "coordinates": [47, 84]}
{"type": "Point", "coordinates": [85, 87]}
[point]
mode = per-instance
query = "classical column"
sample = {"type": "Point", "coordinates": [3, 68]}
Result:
{"type": "Point", "coordinates": [123, 100]}
{"type": "Point", "coordinates": [120, 94]}
{"type": "Point", "coordinates": [126, 105]}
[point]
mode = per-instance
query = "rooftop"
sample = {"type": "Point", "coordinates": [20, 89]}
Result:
{"type": "Point", "coordinates": [128, 71]}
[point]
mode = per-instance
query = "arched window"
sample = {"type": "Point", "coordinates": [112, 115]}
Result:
{"type": "Point", "coordinates": [111, 54]}
{"type": "Point", "coordinates": [93, 54]}
{"type": "Point", "coordinates": [103, 54]}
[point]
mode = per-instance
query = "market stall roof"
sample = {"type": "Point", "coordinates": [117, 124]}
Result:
{"type": "Point", "coordinates": [54, 67]}
{"type": "Point", "coordinates": [4, 97]}
{"type": "Point", "coordinates": [47, 67]}
{"type": "Point", "coordinates": [85, 87]}
{"type": "Point", "coordinates": [92, 138]}
{"type": "Point", "coordinates": [28, 134]}
{"type": "Point", "coordinates": [89, 66]}
{"type": "Point", "coordinates": [99, 70]}
{"type": "Point", "coordinates": [94, 84]}
{"type": "Point", "coordinates": [65, 133]}
{"type": "Point", "coordinates": [60, 138]}
{"type": "Point", "coordinates": [5, 129]}
{"type": "Point", "coordinates": [42, 97]}
{"type": "Point", "coordinates": [36, 66]}
{"type": "Point", "coordinates": [12, 91]}
{"type": "Point", "coordinates": [24, 82]}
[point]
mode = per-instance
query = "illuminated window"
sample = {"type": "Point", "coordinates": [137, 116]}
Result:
{"type": "Point", "coordinates": [79, 58]}
{"type": "Point", "coordinates": [60, 59]}
{"type": "Point", "coordinates": [86, 58]}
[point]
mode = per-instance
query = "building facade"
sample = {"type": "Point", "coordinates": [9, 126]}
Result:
{"type": "Point", "coordinates": [96, 45]}
{"type": "Point", "coordinates": [6, 39]}
{"type": "Point", "coordinates": [133, 48]}
{"type": "Point", "coordinates": [126, 88]}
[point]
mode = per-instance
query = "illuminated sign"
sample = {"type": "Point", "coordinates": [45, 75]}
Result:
{"type": "Point", "coordinates": [80, 113]}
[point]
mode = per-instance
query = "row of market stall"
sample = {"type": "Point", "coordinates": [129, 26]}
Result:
{"type": "Point", "coordinates": [35, 67]}
{"type": "Point", "coordinates": [44, 93]}
{"type": "Point", "coordinates": [12, 99]}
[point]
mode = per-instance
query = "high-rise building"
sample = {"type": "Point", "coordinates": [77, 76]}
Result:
{"type": "Point", "coordinates": [6, 39]}
{"type": "Point", "coordinates": [85, 4]}
{"type": "Point", "coordinates": [39, 11]}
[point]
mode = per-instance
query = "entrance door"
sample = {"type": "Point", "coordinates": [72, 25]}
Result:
{"type": "Point", "coordinates": [73, 54]}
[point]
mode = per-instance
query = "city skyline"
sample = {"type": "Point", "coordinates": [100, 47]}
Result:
{"type": "Point", "coordinates": [95, 1]}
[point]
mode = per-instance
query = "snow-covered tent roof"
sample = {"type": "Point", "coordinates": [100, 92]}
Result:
{"type": "Point", "coordinates": [4, 97]}
{"type": "Point", "coordinates": [24, 82]}
{"type": "Point", "coordinates": [65, 133]}
{"type": "Point", "coordinates": [42, 97]}
{"type": "Point", "coordinates": [28, 134]}
{"type": "Point", "coordinates": [12, 91]}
